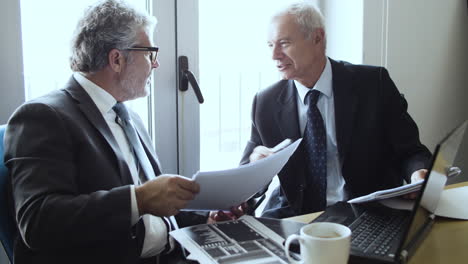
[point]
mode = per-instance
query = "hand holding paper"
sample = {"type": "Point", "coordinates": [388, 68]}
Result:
{"type": "Point", "coordinates": [283, 144]}
{"type": "Point", "coordinates": [261, 152]}
{"type": "Point", "coordinates": [383, 194]}
{"type": "Point", "coordinates": [220, 190]}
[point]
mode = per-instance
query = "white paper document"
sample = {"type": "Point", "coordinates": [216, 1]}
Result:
{"type": "Point", "coordinates": [384, 194]}
{"type": "Point", "coordinates": [220, 190]}
{"type": "Point", "coordinates": [245, 240]}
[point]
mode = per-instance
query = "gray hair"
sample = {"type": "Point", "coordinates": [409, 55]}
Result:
{"type": "Point", "coordinates": [307, 16]}
{"type": "Point", "coordinates": [110, 24]}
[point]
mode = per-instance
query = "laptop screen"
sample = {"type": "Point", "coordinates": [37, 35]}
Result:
{"type": "Point", "coordinates": [442, 166]}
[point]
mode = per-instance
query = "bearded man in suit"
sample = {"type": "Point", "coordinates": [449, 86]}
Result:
{"type": "Point", "coordinates": [84, 189]}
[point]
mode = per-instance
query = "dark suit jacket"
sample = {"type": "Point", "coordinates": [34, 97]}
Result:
{"type": "Point", "coordinates": [378, 142]}
{"type": "Point", "coordinates": [70, 182]}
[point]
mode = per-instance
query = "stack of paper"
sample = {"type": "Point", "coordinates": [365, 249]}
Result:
{"type": "Point", "coordinates": [389, 193]}
{"type": "Point", "coordinates": [449, 205]}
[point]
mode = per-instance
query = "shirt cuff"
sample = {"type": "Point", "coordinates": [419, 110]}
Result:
{"type": "Point", "coordinates": [171, 243]}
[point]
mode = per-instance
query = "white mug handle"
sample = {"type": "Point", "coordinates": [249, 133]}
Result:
{"type": "Point", "coordinates": [290, 239]}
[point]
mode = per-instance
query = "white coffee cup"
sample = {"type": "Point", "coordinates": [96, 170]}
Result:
{"type": "Point", "coordinates": [322, 243]}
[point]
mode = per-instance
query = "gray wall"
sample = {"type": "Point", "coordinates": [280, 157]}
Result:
{"type": "Point", "coordinates": [11, 66]}
{"type": "Point", "coordinates": [11, 60]}
{"type": "Point", "coordinates": [428, 56]}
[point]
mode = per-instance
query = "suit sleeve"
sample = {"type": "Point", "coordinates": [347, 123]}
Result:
{"type": "Point", "coordinates": [255, 139]}
{"type": "Point", "coordinates": [253, 142]}
{"type": "Point", "coordinates": [402, 130]}
{"type": "Point", "coordinates": [51, 211]}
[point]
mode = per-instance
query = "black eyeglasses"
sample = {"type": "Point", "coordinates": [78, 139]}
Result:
{"type": "Point", "coordinates": [152, 50]}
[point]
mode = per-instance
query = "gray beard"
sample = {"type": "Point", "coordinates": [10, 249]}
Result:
{"type": "Point", "coordinates": [128, 85]}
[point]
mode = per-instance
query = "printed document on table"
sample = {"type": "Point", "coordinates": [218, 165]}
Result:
{"type": "Point", "coordinates": [384, 194]}
{"type": "Point", "coordinates": [242, 241]}
{"type": "Point", "coordinates": [220, 190]}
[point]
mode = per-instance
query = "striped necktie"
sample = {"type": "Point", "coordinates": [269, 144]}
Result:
{"type": "Point", "coordinates": [135, 143]}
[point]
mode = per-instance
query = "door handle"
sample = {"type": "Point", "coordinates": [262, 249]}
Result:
{"type": "Point", "coordinates": [186, 77]}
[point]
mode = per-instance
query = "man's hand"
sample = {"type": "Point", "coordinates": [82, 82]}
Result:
{"type": "Point", "coordinates": [165, 195]}
{"type": "Point", "coordinates": [260, 152]}
{"type": "Point", "coordinates": [418, 175]}
{"type": "Point", "coordinates": [233, 214]}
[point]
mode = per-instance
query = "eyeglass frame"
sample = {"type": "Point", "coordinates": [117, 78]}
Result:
{"type": "Point", "coordinates": [150, 49]}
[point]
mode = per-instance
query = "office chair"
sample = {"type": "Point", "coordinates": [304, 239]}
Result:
{"type": "Point", "coordinates": [7, 228]}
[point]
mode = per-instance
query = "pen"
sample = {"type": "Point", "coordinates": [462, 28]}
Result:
{"type": "Point", "coordinates": [281, 145]}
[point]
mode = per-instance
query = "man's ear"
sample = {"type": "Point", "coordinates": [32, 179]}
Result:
{"type": "Point", "coordinates": [116, 60]}
{"type": "Point", "coordinates": [319, 35]}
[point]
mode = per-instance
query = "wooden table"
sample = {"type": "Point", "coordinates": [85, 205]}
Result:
{"type": "Point", "coordinates": [446, 243]}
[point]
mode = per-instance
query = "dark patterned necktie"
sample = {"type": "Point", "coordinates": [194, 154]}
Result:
{"type": "Point", "coordinates": [134, 141]}
{"type": "Point", "coordinates": [315, 145]}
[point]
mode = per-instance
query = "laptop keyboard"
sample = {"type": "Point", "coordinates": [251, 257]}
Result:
{"type": "Point", "coordinates": [375, 233]}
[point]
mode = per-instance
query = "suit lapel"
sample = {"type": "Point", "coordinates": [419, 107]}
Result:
{"type": "Point", "coordinates": [346, 99]}
{"type": "Point", "coordinates": [89, 109]}
{"type": "Point", "coordinates": [288, 122]}
{"type": "Point", "coordinates": [286, 116]}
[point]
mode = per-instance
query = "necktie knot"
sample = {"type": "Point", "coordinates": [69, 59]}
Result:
{"type": "Point", "coordinates": [121, 111]}
{"type": "Point", "coordinates": [312, 97]}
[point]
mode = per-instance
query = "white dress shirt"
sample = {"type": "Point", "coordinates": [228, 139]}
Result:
{"type": "Point", "coordinates": [155, 228]}
{"type": "Point", "coordinates": [326, 106]}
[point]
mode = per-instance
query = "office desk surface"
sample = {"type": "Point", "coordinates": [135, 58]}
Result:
{"type": "Point", "coordinates": [446, 243]}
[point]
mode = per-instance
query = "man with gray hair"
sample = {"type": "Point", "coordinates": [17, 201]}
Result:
{"type": "Point", "coordinates": [357, 134]}
{"type": "Point", "coordinates": [82, 166]}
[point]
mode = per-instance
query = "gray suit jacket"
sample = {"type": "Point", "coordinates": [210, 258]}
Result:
{"type": "Point", "coordinates": [378, 141]}
{"type": "Point", "coordinates": [70, 182]}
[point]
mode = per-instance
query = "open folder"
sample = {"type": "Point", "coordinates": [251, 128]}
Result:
{"type": "Point", "coordinates": [220, 190]}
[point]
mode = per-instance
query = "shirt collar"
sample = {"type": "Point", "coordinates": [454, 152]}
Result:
{"type": "Point", "coordinates": [324, 83]}
{"type": "Point", "coordinates": [103, 100]}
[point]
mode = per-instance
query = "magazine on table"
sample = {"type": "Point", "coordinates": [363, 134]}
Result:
{"type": "Point", "coordinates": [245, 240]}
